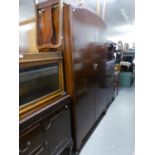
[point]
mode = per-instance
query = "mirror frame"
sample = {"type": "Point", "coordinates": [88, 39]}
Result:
{"type": "Point", "coordinates": [27, 60]}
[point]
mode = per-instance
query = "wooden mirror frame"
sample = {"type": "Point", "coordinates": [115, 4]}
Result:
{"type": "Point", "coordinates": [27, 60]}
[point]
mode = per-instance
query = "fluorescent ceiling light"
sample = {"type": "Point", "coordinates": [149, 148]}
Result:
{"type": "Point", "coordinates": [110, 1]}
{"type": "Point", "coordinates": [124, 14]}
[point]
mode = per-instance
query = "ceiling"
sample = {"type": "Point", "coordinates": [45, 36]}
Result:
{"type": "Point", "coordinates": [119, 13]}
{"type": "Point", "coordinates": [26, 9]}
{"type": "Point", "coordinates": [120, 20]}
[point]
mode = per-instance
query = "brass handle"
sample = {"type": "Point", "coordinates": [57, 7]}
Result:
{"type": "Point", "coordinates": [45, 24]}
{"type": "Point", "coordinates": [24, 150]}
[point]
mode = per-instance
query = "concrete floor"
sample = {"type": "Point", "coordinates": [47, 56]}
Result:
{"type": "Point", "coordinates": [115, 134]}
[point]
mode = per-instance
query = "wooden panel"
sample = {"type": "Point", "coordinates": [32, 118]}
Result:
{"type": "Point", "coordinates": [31, 142]}
{"type": "Point", "coordinates": [85, 57]}
{"type": "Point", "coordinates": [83, 70]}
{"type": "Point", "coordinates": [101, 90]}
{"type": "Point", "coordinates": [67, 49]}
{"type": "Point", "coordinates": [49, 24]}
{"type": "Point", "coordinates": [79, 58]}
{"type": "Point", "coordinates": [47, 132]}
{"type": "Point", "coordinates": [31, 64]}
{"type": "Point", "coordinates": [57, 130]}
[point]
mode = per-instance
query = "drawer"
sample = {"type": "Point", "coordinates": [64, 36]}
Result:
{"type": "Point", "coordinates": [31, 142]}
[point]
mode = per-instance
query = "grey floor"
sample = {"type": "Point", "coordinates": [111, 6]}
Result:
{"type": "Point", "coordinates": [115, 133]}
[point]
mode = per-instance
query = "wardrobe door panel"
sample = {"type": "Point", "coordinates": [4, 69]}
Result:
{"type": "Point", "coordinates": [101, 90]}
{"type": "Point", "coordinates": [83, 59]}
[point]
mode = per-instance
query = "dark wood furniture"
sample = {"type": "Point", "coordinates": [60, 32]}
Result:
{"type": "Point", "coordinates": [44, 106]}
{"type": "Point", "coordinates": [88, 68]}
{"type": "Point", "coordinates": [49, 24]}
{"type": "Point", "coordinates": [48, 131]}
{"type": "Point", "coordinates": [45, 123]}
{"type": "Point", "coordinates": [89, 71]}
{"type": "Point", "coordinates": [40, 81]}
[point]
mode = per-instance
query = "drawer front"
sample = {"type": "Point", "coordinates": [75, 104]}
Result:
{"type": "Point", "coordinates": [57, 130]}
{"type": "Point", "coordinates": [31, 142]}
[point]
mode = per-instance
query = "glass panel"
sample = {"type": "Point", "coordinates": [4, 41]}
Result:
{"type": "Point", "coordinates": [38, 81]}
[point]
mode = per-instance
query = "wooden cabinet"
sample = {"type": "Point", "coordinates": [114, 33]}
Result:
{"type": "Point", "coordinates": [44, 106]}
{"type": "Point", "coordinates": [57, 130]}
{"type": "Point", "coordinates": [40, 81]}
{"type": "Point", "coordinates": [89, 73]}
{"type": "Point", "coordinates": [32, 141]}
{"type": "Point", "coordinates": [45, 119]}
{"type": "Point", "coordinates": [48, 132]}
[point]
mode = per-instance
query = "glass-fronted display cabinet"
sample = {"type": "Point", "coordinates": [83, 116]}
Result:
{"type": "Point", "coordinates": [40, 80]}
{"type": "Point", "coordinates": [40, 73]}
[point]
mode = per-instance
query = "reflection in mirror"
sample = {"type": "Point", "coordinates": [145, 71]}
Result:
{"type": "Point", "coordinates": [36, 82]}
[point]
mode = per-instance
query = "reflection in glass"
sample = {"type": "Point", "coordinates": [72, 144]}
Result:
{"type": "Point", "coordinates": [36, 82]}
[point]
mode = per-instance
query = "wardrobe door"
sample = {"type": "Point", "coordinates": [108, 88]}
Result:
{"type": "Point", "coordinates": [83, 37]}
{"type": "Point", "coordinates": [80, 27]}
{"type": "Point", "coordinates": [109, 79]}
{"type": "Point", "coordinates": [101, 90]}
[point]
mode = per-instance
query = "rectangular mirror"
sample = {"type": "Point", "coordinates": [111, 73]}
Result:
{"type": "Point", "coordinates": [40, 79]}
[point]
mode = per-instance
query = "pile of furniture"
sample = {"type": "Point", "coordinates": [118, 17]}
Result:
{"type": "Point", "coordinates": [66, 85]}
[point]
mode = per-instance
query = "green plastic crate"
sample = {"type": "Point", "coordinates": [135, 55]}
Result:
{"type": "Point", "coordinates": [125, 79]}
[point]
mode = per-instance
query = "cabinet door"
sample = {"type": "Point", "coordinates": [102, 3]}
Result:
{"type": "Point", "coordinates": [57, 130]}
{"type": "Point", "coordinates": [101, 90]}
{"type": "Point", "coordinates": [31, 142]}
{"type": "Point", "coordinates": [83, 37]}
{"type": "Point", "coordinates": [87, 31]}
{"type": "Point", "coordinates": [110, 65]}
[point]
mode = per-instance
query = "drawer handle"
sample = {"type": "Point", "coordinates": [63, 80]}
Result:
{"type": "Point", "coordinates": [24, 150]}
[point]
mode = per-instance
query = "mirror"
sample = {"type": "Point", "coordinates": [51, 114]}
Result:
{"type": "Point", "coordinates": [38, 81]}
